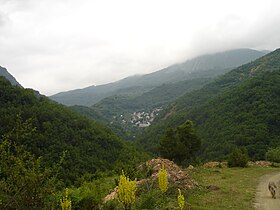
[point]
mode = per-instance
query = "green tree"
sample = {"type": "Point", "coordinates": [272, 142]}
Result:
{"type": "Point", "coordinates": [24, 184]}
{"type": "Point", "coordinates": [180, 144]}
{"type": "Point", "coordinates": [273, 155]}
{"type": "Point", "coordinates": [238, 158]}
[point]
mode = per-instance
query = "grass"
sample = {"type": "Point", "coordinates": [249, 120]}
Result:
{"type": "Point", "coordinates": [237, 187]}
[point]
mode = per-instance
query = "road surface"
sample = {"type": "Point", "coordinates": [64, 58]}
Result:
{"type": "Point", "coordinates": [263, 196]}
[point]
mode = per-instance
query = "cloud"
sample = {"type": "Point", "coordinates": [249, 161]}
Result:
{"type": "Point", "coordinates": [2, 21]}
{"type": "Point", "coordinates": [57, 45]}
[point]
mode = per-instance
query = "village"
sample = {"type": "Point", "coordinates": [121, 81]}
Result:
{"type": "Point", "coordinates": [141, 119]}
{"type": "Point", "coordinates": [144, 119]}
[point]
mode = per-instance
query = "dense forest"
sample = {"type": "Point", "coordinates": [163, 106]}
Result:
{"type": "Point", "coordinates": [240, 108]}
{"type": "Point", "coordinates": [49, 130]}
{"type": "Point", "coordinates": [109, 109]}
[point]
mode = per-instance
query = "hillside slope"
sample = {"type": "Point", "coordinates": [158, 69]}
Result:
{"type": "Point", "coordinates": [54, 129]}
{"type": "Point", "coordinates": [240, 108]}
{"type": "Point", "coordinates": [4, 72]}
{"type": "Point", "coordinates": [201, 67]}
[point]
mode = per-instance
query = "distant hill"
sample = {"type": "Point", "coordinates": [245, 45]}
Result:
{"type": "Point", "coordinates": [240, 108]}
{"type": "Point", "coordinates": [53, 129]}
{"type": "Point", "coordinates": [4, 72]}
{"type": "Point", "coordinates": [201, 67]}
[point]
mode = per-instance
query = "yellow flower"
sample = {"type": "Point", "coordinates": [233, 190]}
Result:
{"type": "Point", "coordinates": [65, 202]}
{"type": "Point", "coordinates": [162, 180]}
{"type": "Point", "coordinates": [126, 191]}
{"type": "Point", "coordinates": [181, 200]}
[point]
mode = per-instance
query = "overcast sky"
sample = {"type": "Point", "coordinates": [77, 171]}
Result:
{"type": "Point", "coordinates": [58, 45]}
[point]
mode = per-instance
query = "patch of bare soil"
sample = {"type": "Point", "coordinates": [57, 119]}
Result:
{"type": "Point", "coordinates": [264, 200]}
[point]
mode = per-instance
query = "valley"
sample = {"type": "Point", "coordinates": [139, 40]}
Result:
{"type": "Point", "coordinates": [227, 110]}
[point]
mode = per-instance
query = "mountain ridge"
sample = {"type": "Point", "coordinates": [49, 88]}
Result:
{"type": "Point", "coordinates": [217, 110]}
{"type": "Point", "coordinates": [190, 69]}
{"type": "Point", "coordinates": [54, 129]}
{"type": "Point", "coordinates": [4, 72]}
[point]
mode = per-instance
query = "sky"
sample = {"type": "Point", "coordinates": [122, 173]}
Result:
{"type": "Point", "coordinates": [60, 45]}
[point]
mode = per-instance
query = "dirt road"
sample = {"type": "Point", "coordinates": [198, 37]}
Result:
{"type": "Point", "coordinates": [263, 197]}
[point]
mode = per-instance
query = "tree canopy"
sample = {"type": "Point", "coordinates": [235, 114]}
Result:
{"type": "Point", "coordinates": [180, 144]}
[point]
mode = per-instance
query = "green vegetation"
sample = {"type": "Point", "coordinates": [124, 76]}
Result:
{"type": "Point", "coordinates": [238, 158]}
{"type": "Point", "coordinates": [273, 155]}
{"type": "Point", "coordinates": [180, 144]}
{"type": "Point", "coordinates": [126, 191]}
{"type": "Point", "coordinates": [88, 146]}
{"type": "Point", "coordinates": [65, 202]}
{"type": "Point", "coordinates": [160, 89]}
{"type": "Point", "coordinates": [109, 109]}
{"type": "Point", "coordinates": [46, 146]}
{"type": "Point", "coordinates": [236, 187]}
{"type": "Point", "coordinates": [240, 108]}
{"type": "Point", "coordinates": [24, 183]}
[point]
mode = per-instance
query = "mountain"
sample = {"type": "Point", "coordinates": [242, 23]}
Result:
{"type": "Point", "coordinates": [49, 130]}
{"type": "Point", "coordinates": [240, 108]}
{"type": "Point", "coordinates": [201, 67]}
{"type": "Point", "coordinates": [4, 72]}
{"type": "Point", "coordinates": [126, 115]}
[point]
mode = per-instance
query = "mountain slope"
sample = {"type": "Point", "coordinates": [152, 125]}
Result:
{"type": "Point", "coordinates": [200, 67]}
{"type": "Point", "coordinates": [118, 111]}
{"type": "Point", "coordinates": [8, 76]}
{"type": "Point", "coordinates": [240, 108]}
{"type": "Point", "coordinates": [55, 129]}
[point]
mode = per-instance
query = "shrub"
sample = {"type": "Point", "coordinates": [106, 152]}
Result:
{"type": "Point", "coordinates": [24, 183]}
{"type": "Point", "coordinates": [273, 155]}
{"type": "Point", "coordinates": [238, 158]}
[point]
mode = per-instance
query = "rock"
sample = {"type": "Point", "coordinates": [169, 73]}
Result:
{"type": "Point", "coordinates": [190, 167]}
{"type": "Point", "coordinates": [263, 163]}
{"type": "Point", "coordinates": [174, 173]}
{"type": "Point", "coordinates": [111, 196]}
{"type": "Point", "coordinates": [215, 164]}
{"type": "Point", "coordinates": [212, 188]}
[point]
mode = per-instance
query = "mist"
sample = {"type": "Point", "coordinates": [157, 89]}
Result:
{"type": "Point", "coordinates": [58, 45]}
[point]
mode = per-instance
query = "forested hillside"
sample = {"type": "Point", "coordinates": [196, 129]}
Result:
{"type": "Point", "coordinates": [240, 108]}
{"type": "Point", "coordinates": [129, 110]}
{"type": "Point", "coordinates": [117, 111]}
{"type": "Point", "coordinates": [206, 66]}
{"type": "Point", "coordinates": [49, 130]}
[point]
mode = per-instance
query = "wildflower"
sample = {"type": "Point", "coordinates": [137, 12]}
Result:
{"type": "Point", "coordinates": [126, 191]}
{"type": "Point", "coordinates": [65, 202]}
{"type": "Point", "coordinates": [181, 200]}
{"type": "Point", "coordinates": [162, 180]}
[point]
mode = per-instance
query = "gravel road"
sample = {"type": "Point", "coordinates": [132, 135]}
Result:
{"type": "Point", "coordinates": [263, 196]}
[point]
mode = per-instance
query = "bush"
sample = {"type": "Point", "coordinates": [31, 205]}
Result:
{"type": "Point", "coordinates": [273, 155]}
{"type": "Point", "coordinates": [238, 158]}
